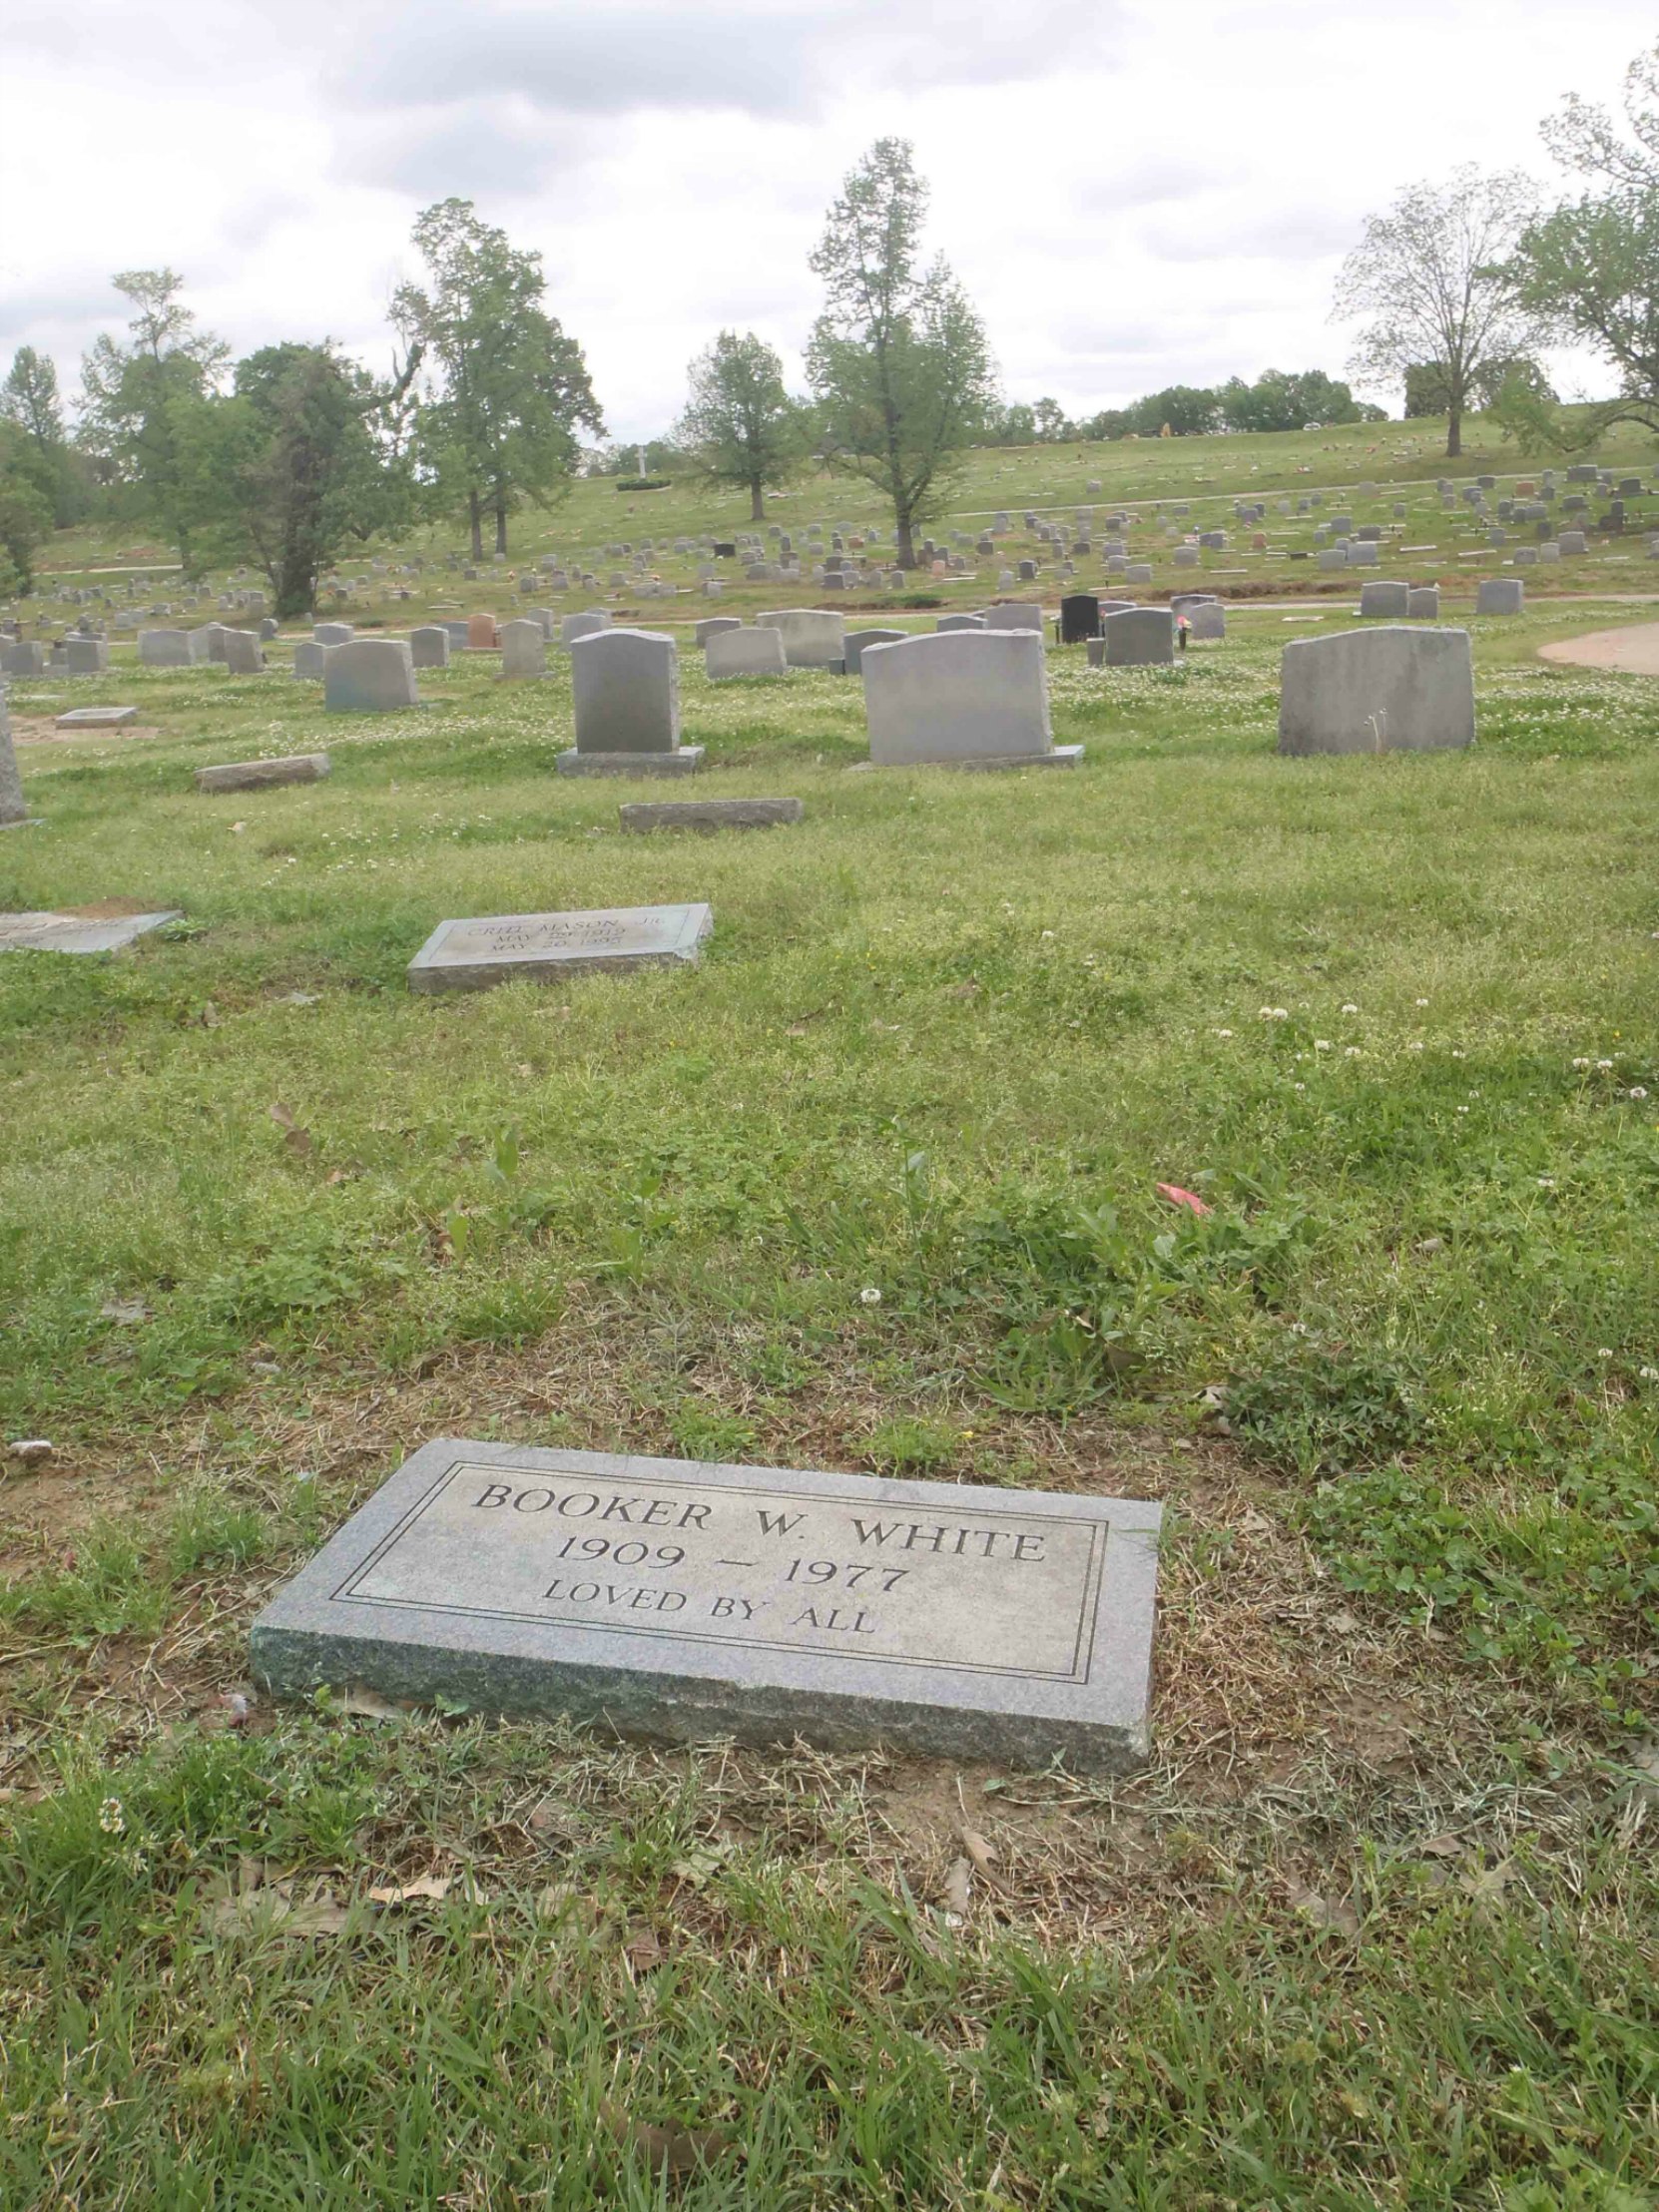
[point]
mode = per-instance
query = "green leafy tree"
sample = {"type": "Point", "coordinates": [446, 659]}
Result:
{"type": "Point", "coordinates": [1590, 269]}
{"type": "Point", "coordinates": [25, 515]}
{"type": "Point", "coordinates": [512, 387]}
{"type": "Point", "coordinates": [1188, 410]}
{"type": "Point", "coordinates": [306, 466]}
{"type": "Point", "coordinates": [1282, 401]}
{"type": "Point", "coordinates": [1428, 282]}
{"type": "Point", "coordinates": [740, 426]}
{"type": "Point", "coordinates": [899, 360]}
{"type": "Point", "coordinates": [29, 398]}
{"type": "Point", "coordinates": [1051, 423]}
{"type": "Point", "coordinates": [146, 403]}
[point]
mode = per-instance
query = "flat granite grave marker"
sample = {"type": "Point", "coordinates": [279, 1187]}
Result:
{"type": "Point", "coordinates": [680, 1599]}
{"type": "Point", "coordinates": [500, 948]}
{"type": "Point", "coordinates": [253, 775]}
{"type": "Point", "coordinates": [707, 814]}
{"type": "Point", "coordinates": [95, 717]}
{"type": "Point", "coordinates": [45, 933]}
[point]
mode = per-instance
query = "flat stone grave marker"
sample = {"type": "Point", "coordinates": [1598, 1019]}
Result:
{"type": "Point", "coordinates": [253, 775]}
{"type": "Point", "coordinates": [95, 717]}
{"type": "Point", "coordinates": [473, 956]}
{"type": "Point", "coordinates": [76, 932]}
{"type": "Point", "coordinates": [680, 1599]}
{"type": "Point", "coordinates": [709, 815]}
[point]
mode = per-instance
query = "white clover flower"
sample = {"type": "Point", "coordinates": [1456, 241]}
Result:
{"type": "Point", "coordinates": [1322, 1044]}
{"type": "Point", "coordinates": [1048, 932]}
{"type": "Point", "coordinates": [1636, 1091]}
{"type": "Point", "coordinates": [1349, 1007]}
{"type": "Point", "coordinates": [1463, 1109]}
{"type": "Point", "coordinates": [1581, 1062]}
{"type": "Point", "coordinates": [1351, 1052]}
{"type": "Point", "coordinates": [1423, 1002]}
{"type": "Point", "coordinates": [1648, 1375]}
{"type": "Point", "coordinates": [1416, 1047]}
{"type": "Point", "coordinates": [1456, 1055]}
{"type": "Point", "coordinates": [111, 1818]}
{"type": "Point", "coordinates": [1547, 1182]}
{"type": "Point", "coordinates": [870, 1295]}
{"type": "Point", "coordinates": [1279, 1014]}
{"type": "Point", "coordinates": [1604, 1067]}
{"type": "Point", "coordinates": [1605, 1351]}
{"type": "Point", "coordinates": [1224, 1032]}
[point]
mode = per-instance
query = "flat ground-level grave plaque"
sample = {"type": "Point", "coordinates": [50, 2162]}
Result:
{"type": "Point", "coordinates": [472, 955]}
{"type": "Point", "coordinates": [96, 718]}
{"type": "Point", "coordinates": [672, 1598]}
{"type": "Point", "coordinates": [76, 932]}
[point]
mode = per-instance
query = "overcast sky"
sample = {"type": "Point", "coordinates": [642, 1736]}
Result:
{"type": "Point", "coordinates": [1135, 193]}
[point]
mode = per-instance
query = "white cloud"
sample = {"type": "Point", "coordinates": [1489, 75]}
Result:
{"type": "Point", "coordinates": [1132, 198]}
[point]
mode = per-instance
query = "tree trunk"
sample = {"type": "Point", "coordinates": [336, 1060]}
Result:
{"type": "Point", "coordinates": [475, 514]}
{"type": "Point", "coordinates": [756, 500]}
{"type": "Point", "coordinates": [501, 522]}
{"type": "Point", "coordinates": [295, 585]}
{"type": "Point", "coordinates": [906, 541]}
{"type": "Point", "coordinates": [1454, 432]}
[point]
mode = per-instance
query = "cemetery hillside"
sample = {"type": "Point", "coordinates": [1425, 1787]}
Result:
{"type": "Point", "coordinates": [829, 1333]}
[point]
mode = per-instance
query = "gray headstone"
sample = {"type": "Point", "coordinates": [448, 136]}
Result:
{"type": "Point", "coordinates": [506, 949]}
{"type": "Point", "coordinates": [86, 656]}
{"type": "Point", "coordinates": [165, 649]}
{"type": "Point", "coordinates": [812, 638]}
{"type": "Point", "coordinates": [310, 659]}
{"type": "Point", "coordinates": [1385, 601]}
{"type": "Point", "coordinates": [523, 650]}
{"type": "Point", "coordinates": [1014, 614]}
{"type": "Point", "coordinates": [961, 621]}
{"type": "Point", "coordinates": [1140, 637]}
{"type": "Point", "coordinates": [372, 675]}
{"type": "Point", "coordinates": [1500, 594]}
{"type": "Point", "coordinates": [253, 775]}
{"type": "Point", "coordinates": [333, 633]}
{"type": "Point", "coordinates": [26, 657]}
{"type": "Point", "coordinates": [430, 645]}
{"type": "Point", "coordinates": [13, 807]}
{"type": "Point", "coordinates": [1378, 691]}
{"type": "Point", "coordinates": [1207, 622]}
{"type": "Point", "coordinates": [711, 624]}
{"type": "Point", "coordinates": [959, 696]}
{"type": "Point", "coordinates": [584, 625]}
{"type": "Point", "coordinates": [1422, 603]}
{"type": "Point", "coordinates": [625, 686]}
{"type": "Point", "coordinates": [743, 652]}
{"type": "Point", "coordinates": [858, 640]}
{"type": "Point", "coordinates": [242, 656]}
{"type": "Point", "coordinates": [684, 1599]}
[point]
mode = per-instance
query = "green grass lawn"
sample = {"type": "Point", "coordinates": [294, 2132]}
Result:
{"type": "Point", "coordinates": [1377, 1927]}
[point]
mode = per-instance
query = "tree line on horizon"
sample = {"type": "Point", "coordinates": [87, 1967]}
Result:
{"type": "Point", "coordinates": [290, 455]}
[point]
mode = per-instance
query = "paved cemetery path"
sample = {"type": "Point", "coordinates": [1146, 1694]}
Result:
{"type": "Point", "coordinates": [1635, 650]}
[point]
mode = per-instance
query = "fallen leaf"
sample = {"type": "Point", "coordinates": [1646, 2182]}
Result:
{"type": "Point", "coordinates": [273, 1911]}
{"type": "Point", "coordinates": [295, 1137]}
{"type": "Point", "coordinates": [980, 1851]}
{"type": "Point", "coordinates": [643, 1951]}
{"type": "Point", "coordinates": [1178, 1197]}
{"type": "Point", "coordinates": [964, 990]}
{"type": "Point", "coordinates": [1331, 1912]}
{"type": "Point", "coordinates": [1486, 1884]}
{"type": "Point", "coordinates": [127, 1310]}
{"type": "Point", "coordinates": [433, 1885]}
{"type": "Point", "coordinates": [698, 1863]}
{"type": "Point", "coordinates": [1343, 1623]}
{"type": "Point", "coordinates": [673, 2150]}
{"type": "Point", "coordinates": [959, 1886]}
{"type": "Point", "coordinates": [1440, 1846]}
{"type": "Point", "coordinates": [357, 1698]}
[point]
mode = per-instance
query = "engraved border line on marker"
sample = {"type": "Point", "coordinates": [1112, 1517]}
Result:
{"type": "Point", "coordinates": [1098, 1532]}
